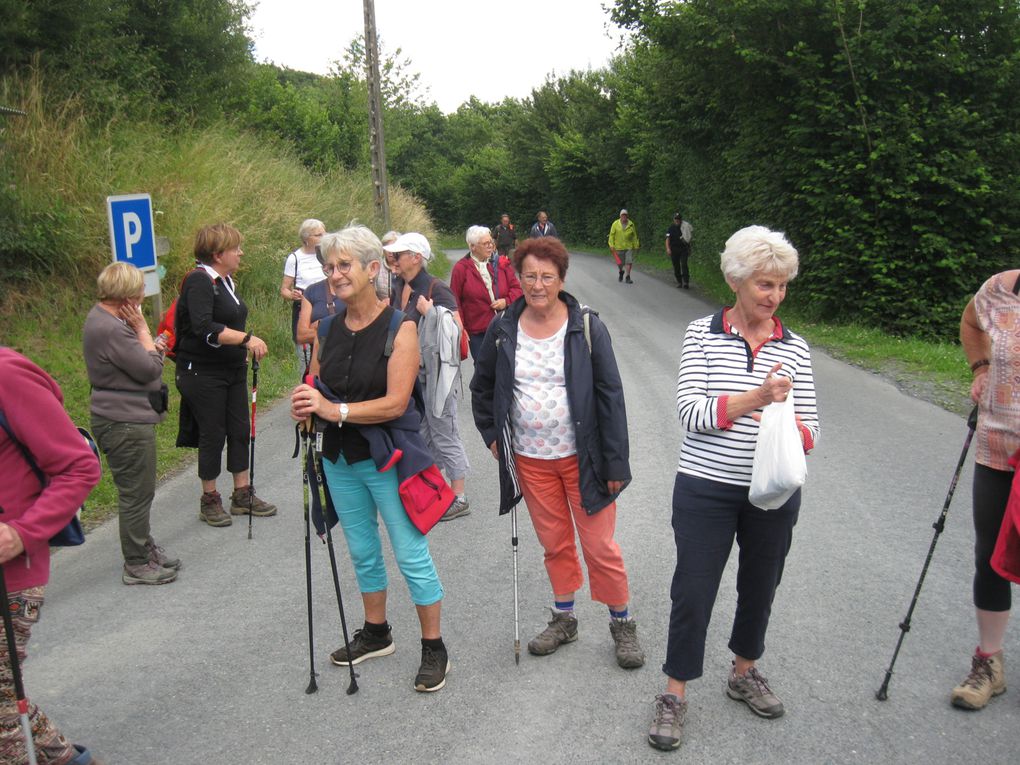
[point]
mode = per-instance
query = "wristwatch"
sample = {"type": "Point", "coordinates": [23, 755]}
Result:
{"type": "Point", "coordinates": [344, 409]}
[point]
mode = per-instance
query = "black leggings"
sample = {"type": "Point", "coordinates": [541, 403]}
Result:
{"type": "Point", "coordinates": [991, 492]}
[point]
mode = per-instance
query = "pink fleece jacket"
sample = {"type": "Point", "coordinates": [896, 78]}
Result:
{"type": "Point", "coordinates": [33, 405]}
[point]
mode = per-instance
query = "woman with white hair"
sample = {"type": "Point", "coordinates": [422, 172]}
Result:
{"type": "Point", "coordinates": [732, 365]}
{"type": "Point", "coordinates": [371, 369]}
{"type": "Point", "coordinates": [300, 271]}
{"type": "Point", "coordinates": [483, 284]}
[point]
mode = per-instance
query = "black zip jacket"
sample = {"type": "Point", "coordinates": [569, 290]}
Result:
{"type": "Point", "coordinates": [594, 394]}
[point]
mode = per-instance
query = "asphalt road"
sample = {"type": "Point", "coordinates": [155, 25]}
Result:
{"type": "Point", "coordinates": [213, 668]}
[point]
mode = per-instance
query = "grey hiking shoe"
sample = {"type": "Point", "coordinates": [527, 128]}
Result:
{"type": "Point", "coordinates": [457, 509]}
{"type": "Point", "coordinates": [210, 509]}
{"type": "Point", "coordinates": [628, 651]}
{"type": "Point", "coordinates": [243, 498]}
{"type": "Point", "coordinates": [432, 672]}
{"type": "Point", "coordinates": [160, 557]}
{"type": "Point", "coordinates": [364, 645]}
{"type": "Point", "coordinates": [147, 573]}
{"type": "Point", "coordinates": [753, 690]}
{"type": "Point", "coordinates": [987, 678]}
{"type": "Point", "coordinates": [562, 629]}
{"type": "Point", "coordinates": [667, 729]}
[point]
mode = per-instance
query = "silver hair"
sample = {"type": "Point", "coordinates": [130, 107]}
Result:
{"type": "Point", "coordinates": [357, 241]}
{"type": "Point", "coordinates": [389, 237]}
{"type": "Point", "coordinates": [307, 227]}
{"type": "Point", "coordinates": [757, 249]}
{"type": "Point", "coordinates": [474, 233]}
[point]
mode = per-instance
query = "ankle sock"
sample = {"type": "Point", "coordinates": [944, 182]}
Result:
{"type": "Point", "coordinates": [981, 654]}
{"type": "Point", "coordinates": [379, 630]}
{"type": "Point", "coordinates": [566, 606]}
{"type": "Point", "coordinates": [436, 644]}
{"type": "Point", "coordinates": [620, 616]}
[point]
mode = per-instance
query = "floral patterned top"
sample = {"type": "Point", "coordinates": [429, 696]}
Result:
{"type": "Point", "coordinates": [542, 426]}
{"type": "Point", "coordinates": [998, 313]}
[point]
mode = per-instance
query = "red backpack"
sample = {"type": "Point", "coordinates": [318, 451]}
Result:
{"type": "Point", "coordinates": [168, 321]}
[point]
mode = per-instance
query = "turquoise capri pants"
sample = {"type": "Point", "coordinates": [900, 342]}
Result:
{"type": "Point", "coordinates": [361, 494]}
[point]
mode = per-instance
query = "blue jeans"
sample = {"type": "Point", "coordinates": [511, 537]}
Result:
{"type": "Point", "coordinates": [361, 494]}
{"type": "Point", "coordinates": [707, 516]}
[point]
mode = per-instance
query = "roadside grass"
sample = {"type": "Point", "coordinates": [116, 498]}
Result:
{"type": "Point", "coordinates": [61, 168]}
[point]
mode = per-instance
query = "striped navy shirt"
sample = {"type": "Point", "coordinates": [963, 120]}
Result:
{"type": "Point", "coordinates": [715, 363]}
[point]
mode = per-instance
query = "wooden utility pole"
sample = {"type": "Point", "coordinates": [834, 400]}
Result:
{"type": "Point", "coordinates": [380, 190]}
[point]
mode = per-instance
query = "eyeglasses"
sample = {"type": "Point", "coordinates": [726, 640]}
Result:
{"type": "Point", "coordinates": [487, 243]}
{"type": "Point", "coordinates": [343, 266]}
{"type": "Point", "coordinates": [548, 280]}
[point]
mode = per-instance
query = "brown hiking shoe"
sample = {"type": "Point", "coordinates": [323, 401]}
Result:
{"type": "Point", "coordinates": [562, 629]}
{"type": "Point", "coordinates": [210, 509]}
{"type": "Point", "coordinates": [987, 678]}
{"type": "Point", "coordinates": [244, 498]}
{"type": "Point", "coordinates": [754, 690]}
{"type": "Point", "coordinates": [667, 729]}
{"type": "Point", "coordinates": [159, 556]}
{"type": "Point", "coordinates": [628, 650]}
{"type": "Point", "coordinates": [147, 573]}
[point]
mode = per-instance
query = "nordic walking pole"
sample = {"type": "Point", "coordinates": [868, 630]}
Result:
{"type": "Point", "coordinates": [251, 460]}
{"type": "Point", "coordinates": [321, 480]}
{"type": "Point", "coordinates": [303, 433]}
{"type": "Point", "coordinates": [19, 688]}
{"type": "Point", "coordinates": [883, 693]}
{"type": "Point", "coordinates": [517, 620]}
{"type": "Point", "coordinates": [353, 687]}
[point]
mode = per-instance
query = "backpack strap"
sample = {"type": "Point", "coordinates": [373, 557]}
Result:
{"type": "Point", "coordinates": [396, 319]}
{"type": "Point", "coordinates": [24, 450]}
{"type": "Point", "coordinates": [1016, 286]}
{"type": "Point", "coordinates": [586, 317]}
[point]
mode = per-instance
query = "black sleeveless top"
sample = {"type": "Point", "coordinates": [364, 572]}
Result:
{"type": "Point", "coordinates": [353, 365]}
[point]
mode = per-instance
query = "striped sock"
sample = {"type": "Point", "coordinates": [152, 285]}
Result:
{"type": "Point", "coordinates": [567, 606]}
{"type": "Point", "coordinates": [620, 616]}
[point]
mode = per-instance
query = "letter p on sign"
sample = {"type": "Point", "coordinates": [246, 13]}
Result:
{"type": "Point", "coordinates": [132, 238]}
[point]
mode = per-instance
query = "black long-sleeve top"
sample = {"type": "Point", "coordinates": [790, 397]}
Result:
{"type": "Point", "coordinates": [204, 309]}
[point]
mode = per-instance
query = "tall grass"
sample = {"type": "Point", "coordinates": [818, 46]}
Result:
{"type": "Point", "coordinates": [59, 169]}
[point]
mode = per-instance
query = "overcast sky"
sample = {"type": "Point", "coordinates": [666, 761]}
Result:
{"type": "Point", "coordinates": [486, 48]}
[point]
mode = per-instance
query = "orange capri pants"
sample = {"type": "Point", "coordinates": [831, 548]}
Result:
{"type": "Point", "coordinates": [552, 490]}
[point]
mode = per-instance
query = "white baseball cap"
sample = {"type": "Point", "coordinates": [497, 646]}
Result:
{"type": "Point", "coordinates": [410, 243]}
{"type": "Point", "coordinates": [623, 212]}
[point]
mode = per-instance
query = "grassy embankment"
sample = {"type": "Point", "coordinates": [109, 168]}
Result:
{"type": "Point", "coordinates": [58, 170]}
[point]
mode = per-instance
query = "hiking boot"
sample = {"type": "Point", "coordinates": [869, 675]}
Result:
{"type": "Point", "coordinates": [629, 280]}
{"type": "Point", "coordinates": [435, 663]}
{"type": "Point", "coordinates": [364, 645]}
{"type": "Point", "coordinates": [147, 573]}
{"type": "Point", "coordinates": [667, 729]}
{"type": "Point", "coordinates": [159, 556]}
{"type": "Point", "coordinates": [628, 651]}
{"type": "Point", "coordinates": [621, 275]}
{"type": "Point", "coordinates": [562, 629]}
{"type": "Point", "coordinates": [244, 498]}
{"type": "Point", "coordinates": [987, 678]}
{"type": "Point", "coordinates": [753, 690]}
{"type": "Point", "coordinates": [83, 756]}
{"type": "Point", "coordinates": [457, 509]}
{"type": "Point", "coordinates": [210, 509]}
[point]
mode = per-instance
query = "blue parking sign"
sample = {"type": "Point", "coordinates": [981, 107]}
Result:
{"type": "Point", "coordinates": [132, 237]}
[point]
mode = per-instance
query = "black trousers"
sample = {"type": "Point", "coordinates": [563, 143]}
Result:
{"type": "Point", "coordinates": [680, 270]}
{"type": "Point", "coordinates": [990, 495]}
{"type": "Point", "coordinates": [218, 400]}
{"type": "Point", "coordinates": [707, 517]}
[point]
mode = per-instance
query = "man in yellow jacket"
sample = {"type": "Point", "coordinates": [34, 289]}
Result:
{"type": "Point", "coordinates": [624, 243]}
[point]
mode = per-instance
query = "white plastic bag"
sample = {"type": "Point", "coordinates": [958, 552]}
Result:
{"type": "Point", "coordinates": [779, 464]}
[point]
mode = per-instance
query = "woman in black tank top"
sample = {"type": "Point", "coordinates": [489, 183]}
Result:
{"type": "Point", "coordinates": [374, 382]}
